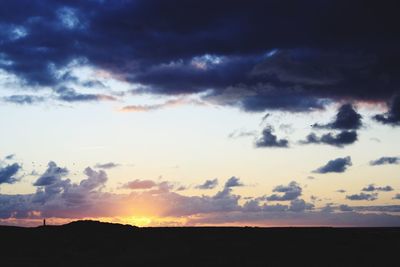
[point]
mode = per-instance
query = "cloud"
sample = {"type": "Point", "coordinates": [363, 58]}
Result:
{"type": "Point", "coordinates": [275, 208]}
{"type": "Point", "coordinates": [233, 182]}
{"type": "Point", "coordinates": [271, 97]}
{"type": "Point", "coordinates": [296, 205]}
{"type": "Point", "coordinates": [280, 60]}
{"type": "Point", "coordinates": [397, 196]}
{"type": "Point", "coordinates": [268, 139]}
{"type": "Point", "coordinates": [62, 199]}
{"type": "Point", "coordinates": [239, 133]}
{"type": "Point", "coordinates": [306, 218]}
{"type": "Point", "coordinates": [377, 208]}
{"type": "Point", "coordinates": [209, 184]}
{"type": "Point", "coordinates": [286, 128]}
{"type": "Point", "coordinates": [372, 188]}
{"type": "Point", "coordinates": [9, 157]}
{"type": "Point", "coordinates": [182, 188]}
{"type": "Point", "coordinates": [384, 161]}
{"type": "Point", "coordinates": [140, 184]}
{"type": "Point", "coordinates": [23, 99]}
{"type": "Point", "coordinates": [70, 95]}
{"type": "Point", "coordinates": [151, 187]}
{"type": "Point", "coordinates": [55, 194]}
{"type": "Point", "coordinates": [347, 118]}
{"type": "Point", "coordinates": [392, 116]}
{"type": "Point", "coordinates": [345, 208]}
{"type": "Point", "coordinates": [252, 205]}
{"type": "Point", "coordinates": [95, 180]}
{"type": "Point", "coordinates": [299, 205]}
{"type": "Point", "coordinates": [339, 140]}
{"type": "Point", "coordinates": [363, 196]}
{"type": "Point", "coordinates": [51, 184]}
{"type": "Point", "coordinates": [108, 165]}
{"type": "Point", "coordinates": [338, 165]}
{"type": "Point", "coordinates": [170, 103]}
{"type": "Point", "coordinates": [8, 172]}
{"type": "Point", "coordinates": [290, 192]}
{"type": "Point", "coordinates": [52, 175]}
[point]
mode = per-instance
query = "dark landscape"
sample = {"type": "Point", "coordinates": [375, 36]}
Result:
{"type": "Point", "coordinates": [91, 243]}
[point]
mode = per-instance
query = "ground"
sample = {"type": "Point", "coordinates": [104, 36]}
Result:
{"type": "Point", "coordinates": [89, 243]}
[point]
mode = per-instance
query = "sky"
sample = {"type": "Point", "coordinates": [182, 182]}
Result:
{"type": "Point", "coordinates": [193, 113]}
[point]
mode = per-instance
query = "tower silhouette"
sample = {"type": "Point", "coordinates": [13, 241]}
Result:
{"type": "Point", "coordinates": [44, 222]}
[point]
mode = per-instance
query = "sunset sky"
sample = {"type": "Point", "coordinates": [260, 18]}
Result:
{"type": "Point", "coordinates": [154, 112]}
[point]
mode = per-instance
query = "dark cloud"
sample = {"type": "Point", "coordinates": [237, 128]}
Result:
{"type": "Point", "coordinates": [70, 95]}
{"type": "Point", "coordinates": [95, 180]}
{"type": "Point", "coordinates": [8, 173]}
{"type": "Point", "coordinates": [23, 99]}
{"type": "Point", "coordinates": [341, 191]}
{"type": "Point", "coordinates": [384, 161]}
{"type": "Point", "coordinates": [52, 175]}
{"type": "Point", "coordinates": [339, 140]}
{"type": "Point", "coordinates": [252, 205]}
{"type": "Point", "coordinates": [305, 219]}
{"type": "Point", "coordinates": [265, 117]}
{"type": "Point", "coordinates": [269, 97]}
{"type": "Point", "coordinates": [182, 188]}
{"type": "Point", "coordinates": [268, 139]}
{"type": "Point", "coordinates": [296, 205]}
{"type": "Point", "coordinates": [338, 165]}
{"type": "Point", "coordinates": [240, 133]}
{"type": "Point", "coordinates": [10, 157]}
{"type": "Point", "coordinates": [397, 196]}
{"type": "Point", "coordinates": [372, 188]}
{"type": "Point", "coordinates": [140, 184]}
{"type": "Point", "coordinates": [299, 205]}
{"type": "Point", "coordinates": [347, 118]}
{"type": "Point", "coordinates": [275, 208]}
{"type": "Point", "coordinates": [293, 59]}
{"type": "Point", "coordinates": [363, 196]}
{"type": "Point", "coordinates": [51, 184]}
{"type": "Point", "coordinates": [288, 192]}
{"type": "Point", "coordinates": [345, 208]}
{"type": "Point", "coordinates": [209, 184]}
{"type": "Point", "coordinates": [108, 165]}
{"type": "Point", "coordinates": [67, 195]}
{"type": "Point", "coordinates": [233, 182]}
{"type": "Point", "coordinates": [223, 200]}
{"type": "Point", "coordinates": [377, 208]}
{"type": "Point", "coordinates": [328, 208]}
{"type": "Point", "coordinates": [392, 117]}
{"type": "Point", "coordinates": [56, 194]}
{"type": "Point", "coordinates": [93, 83]}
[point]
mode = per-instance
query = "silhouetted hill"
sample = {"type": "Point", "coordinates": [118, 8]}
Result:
{"type": "Point", "coordinates": [91, 243]}
{"type": "Point", "coordinates": [90, 225]}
